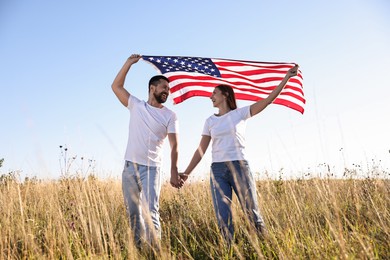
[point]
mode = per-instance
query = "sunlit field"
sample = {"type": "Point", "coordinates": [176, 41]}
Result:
{"type": "Point", "coordinates": [307, 218]}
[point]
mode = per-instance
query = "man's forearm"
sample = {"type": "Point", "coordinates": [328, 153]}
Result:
{"type": "Point", "coordinates": [119, 80]}
{"type": "Point", "coordinates": [174, 160]}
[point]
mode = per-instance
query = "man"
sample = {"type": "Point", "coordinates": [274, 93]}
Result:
{"type": "Point", "coordinates": [150, 124]}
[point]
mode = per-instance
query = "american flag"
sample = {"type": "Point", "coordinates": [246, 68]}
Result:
{"type": "Point", "coordinates": [251, 80]}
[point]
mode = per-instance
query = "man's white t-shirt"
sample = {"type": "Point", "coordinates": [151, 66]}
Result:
{"type": "Point", "coordinates": [228, 134]}
{"type": "Point", "coordinates": [148, 128]}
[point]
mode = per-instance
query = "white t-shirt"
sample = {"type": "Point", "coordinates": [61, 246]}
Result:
{"type": "Point", "coordinates": [228, 134]}
{"type": "Point", "coordinates": [148, 128]}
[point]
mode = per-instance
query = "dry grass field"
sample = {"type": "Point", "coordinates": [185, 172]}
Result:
{"type": "Point", "coordinates": [76, 218]}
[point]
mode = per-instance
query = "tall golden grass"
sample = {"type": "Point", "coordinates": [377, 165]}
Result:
{"type": "Point", "coordinates": [306, 219]}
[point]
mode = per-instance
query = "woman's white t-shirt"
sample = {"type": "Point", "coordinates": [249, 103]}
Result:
{"type": "Point", "coordinates": [148, 128]}
{"type": "Point", "coordinates": [228, 134]}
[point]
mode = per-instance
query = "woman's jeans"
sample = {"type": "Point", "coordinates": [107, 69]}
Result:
{"type": "Point", "coordinates": [141, 186]}
{"type": "Point", "coordinates": [229, 176]}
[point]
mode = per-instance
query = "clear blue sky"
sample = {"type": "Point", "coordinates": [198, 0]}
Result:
{"type": "Point", "coordinates": [58, 60]}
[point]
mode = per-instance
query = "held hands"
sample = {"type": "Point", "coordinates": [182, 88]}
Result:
{"type": "Point", "coordinates": [176, 180]}
{"type": "Point", "coordinates": [183, 176]}
{"type": "Point", "coordinates": [293, 71]}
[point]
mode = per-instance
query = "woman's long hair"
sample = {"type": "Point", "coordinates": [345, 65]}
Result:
{"type": "Point", "coordinates": [228, 92]}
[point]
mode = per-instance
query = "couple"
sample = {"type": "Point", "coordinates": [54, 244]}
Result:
{"type": "Point", "coordinates": [151, 123]}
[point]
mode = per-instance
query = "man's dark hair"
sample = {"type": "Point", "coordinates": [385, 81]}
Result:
{"type": "Point", "coordinates": [156, 79]}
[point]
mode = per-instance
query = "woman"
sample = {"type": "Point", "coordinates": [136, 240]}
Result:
{"type": "Point", "coordinates": [229, 169]}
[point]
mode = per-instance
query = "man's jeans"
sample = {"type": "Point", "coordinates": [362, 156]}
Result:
{"type": "Point", "coordinates": [141, 186]}
{"type": "Point", "coordinates": [228, 176]}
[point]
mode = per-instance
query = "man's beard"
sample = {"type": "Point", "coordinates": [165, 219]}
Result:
{"type": "Point", "coordinates": [160, 98]}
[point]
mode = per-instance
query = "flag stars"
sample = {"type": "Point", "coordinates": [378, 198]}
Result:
{"type": "Point", "coordinates": [187, 64]}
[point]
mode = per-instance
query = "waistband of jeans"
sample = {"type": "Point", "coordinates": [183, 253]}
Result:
{"type": "Point", "coordinates": [234, 161]}
{"type": "Point", "coordinates": [128, 163]}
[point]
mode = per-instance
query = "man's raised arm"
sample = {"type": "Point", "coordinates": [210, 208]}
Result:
{"type": "Point", "coordinates": [119, 81]}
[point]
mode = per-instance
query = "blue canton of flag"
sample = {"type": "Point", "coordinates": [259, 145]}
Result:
{"type": "Point", "coordinates": [167, 64]}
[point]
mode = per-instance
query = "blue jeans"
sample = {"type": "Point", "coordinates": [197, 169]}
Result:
{"type": "Point", "coordinates": [141, 186]}
{"type": "Point", "coordinates": [226, 177]}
